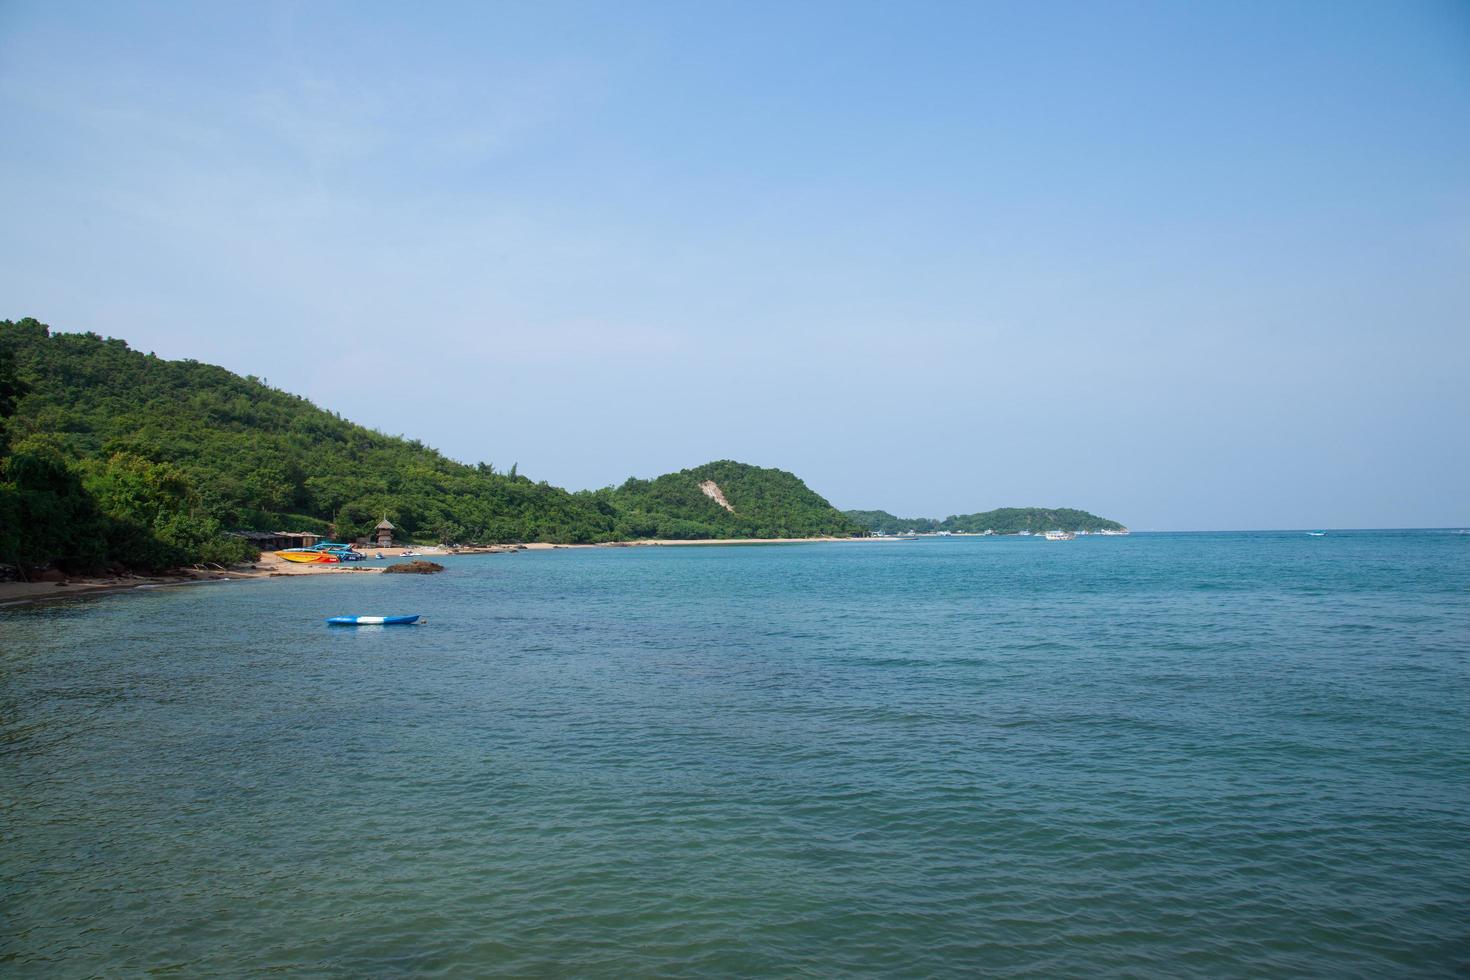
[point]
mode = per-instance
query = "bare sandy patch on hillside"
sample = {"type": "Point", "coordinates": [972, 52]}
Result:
{"type": "Point", "coordinates": [712, 491]}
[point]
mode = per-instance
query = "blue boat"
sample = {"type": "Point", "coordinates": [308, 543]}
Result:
{"type": "Point", "coordinates": [372, 620]}
{"type": "Point", "coordinates": [344, 552]}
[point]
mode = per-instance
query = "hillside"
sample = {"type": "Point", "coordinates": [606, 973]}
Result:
{"type": "Point", "coordinates": [726, 500]}
{"type": "Point", "coordinates": [1006, 520]}
{"type": "Point", "coordinates": [1011, 520]}
{"type": "Point", "coordinates": [881, 521]}
{"type": "Point", "coordinates": [117, 455]}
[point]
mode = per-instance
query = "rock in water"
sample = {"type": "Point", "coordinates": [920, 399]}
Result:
{"type": "Point", "coordinates": [416, 567]}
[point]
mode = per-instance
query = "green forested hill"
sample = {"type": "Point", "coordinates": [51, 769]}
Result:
{"type": "Point", "coordinates": [1010, 520]}
{"type": "Point", "coordinates": [119, 455]}
{"type": "Point", "coordinates": [763, 503]}
{"type": "Point", "coordinates": [1006, 520]}
{"type": "Point", "coordinates": [882, 521]}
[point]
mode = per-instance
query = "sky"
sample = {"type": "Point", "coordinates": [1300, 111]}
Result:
{"type": "Point", "coordinates": [1188, 266]}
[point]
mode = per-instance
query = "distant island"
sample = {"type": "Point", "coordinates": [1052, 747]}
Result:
{"type": "Point", "coordinates": [110, 457]}
{"type": "Point", "coordinates": [1005, 520]}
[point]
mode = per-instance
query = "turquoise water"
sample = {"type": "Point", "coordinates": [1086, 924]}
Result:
{"type": "Point", "coordinates": [1209, 755]}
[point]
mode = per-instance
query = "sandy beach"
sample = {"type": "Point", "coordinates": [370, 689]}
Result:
{"type": "Point", "coordinates": [77, 586]}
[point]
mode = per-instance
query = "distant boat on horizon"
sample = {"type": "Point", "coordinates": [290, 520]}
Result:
{"type": "Point", "coordinates": [1317, 534]}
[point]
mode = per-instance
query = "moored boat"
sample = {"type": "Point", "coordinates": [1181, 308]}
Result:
{"type": "Point", "coordinates": [1060, 536]}
{"type": "Point", "coordinates": [325, 553]}
{"type": "Point", "coordinates": [308, 556]}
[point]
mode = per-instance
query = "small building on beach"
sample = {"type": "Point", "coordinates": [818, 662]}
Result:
{"type": "Point", "coordinates": [384, 532]}
{"type": "Point", "coordinates": [279, 540]}
{"type": "Point", "coordinates": [300, 539]}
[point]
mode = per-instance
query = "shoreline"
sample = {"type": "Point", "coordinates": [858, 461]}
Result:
{"type": "Point", "coordinates": [14, 594]}
{"type": "Point", "coordinates": [83, 586]}
{"type": "Point", "coordinates": [691, 542]}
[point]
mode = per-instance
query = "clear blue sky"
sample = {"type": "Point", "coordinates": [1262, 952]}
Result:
{"type": "Point", "coordinates": [1190, 265]}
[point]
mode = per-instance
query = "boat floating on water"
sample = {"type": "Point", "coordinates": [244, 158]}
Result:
{"type": "Point", "coordinates": [372, 620]}
{"type": "Point", "coordinates": [1060, 536]}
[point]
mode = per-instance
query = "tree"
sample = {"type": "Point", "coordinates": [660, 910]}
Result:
{"type": "Point", "coordinates": [12, 389]}
{"type": "Point", "coordinates": [45, 514]}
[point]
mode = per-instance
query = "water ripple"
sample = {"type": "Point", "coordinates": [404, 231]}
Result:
{"type": "Point", "coordinates": [1173, 755]}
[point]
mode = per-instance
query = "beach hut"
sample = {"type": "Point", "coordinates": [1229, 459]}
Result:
{"type": "Point", "coordinates": [298, 539]}
{"type": "Point", "coordinates": [276, 540]}
{"type": "Point", "coordinates": [385, 531]}
{"type": "Point", "coordinates": [264, 540]}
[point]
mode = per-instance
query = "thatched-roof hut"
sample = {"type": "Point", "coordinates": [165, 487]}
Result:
{"type": "Point", "coordinates": [385, 531]}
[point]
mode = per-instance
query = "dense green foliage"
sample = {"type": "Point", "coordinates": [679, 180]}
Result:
{"type": "Point", "coordinates": [765, 503]}
{"type": "Point", "coordinates": [119, 456]}
{"type": "Point", "coordinates": [11, 390]}
{"type": "Point", "coordinates": [83, 513]}
{"type": "Point", "coordinates": [262, 458]}
{"type": "Point", "coordinates": [1012, 520]}
{"type": "Point", "coordinates": [1006, 520]}
{"type": "Point", "coordinates": [885, 523]}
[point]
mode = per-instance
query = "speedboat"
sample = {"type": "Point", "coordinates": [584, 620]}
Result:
{"type": "Point", "coordinates": [309, 556]}
{"type": "Point", "coordinates": [344, 552]}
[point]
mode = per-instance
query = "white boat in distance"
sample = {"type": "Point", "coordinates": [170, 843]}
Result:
{"type": "Point", "coordinates": [1060, 536]}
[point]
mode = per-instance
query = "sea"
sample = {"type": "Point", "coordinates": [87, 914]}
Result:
{"type": "Point", "coordinates": [1171, 755]}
